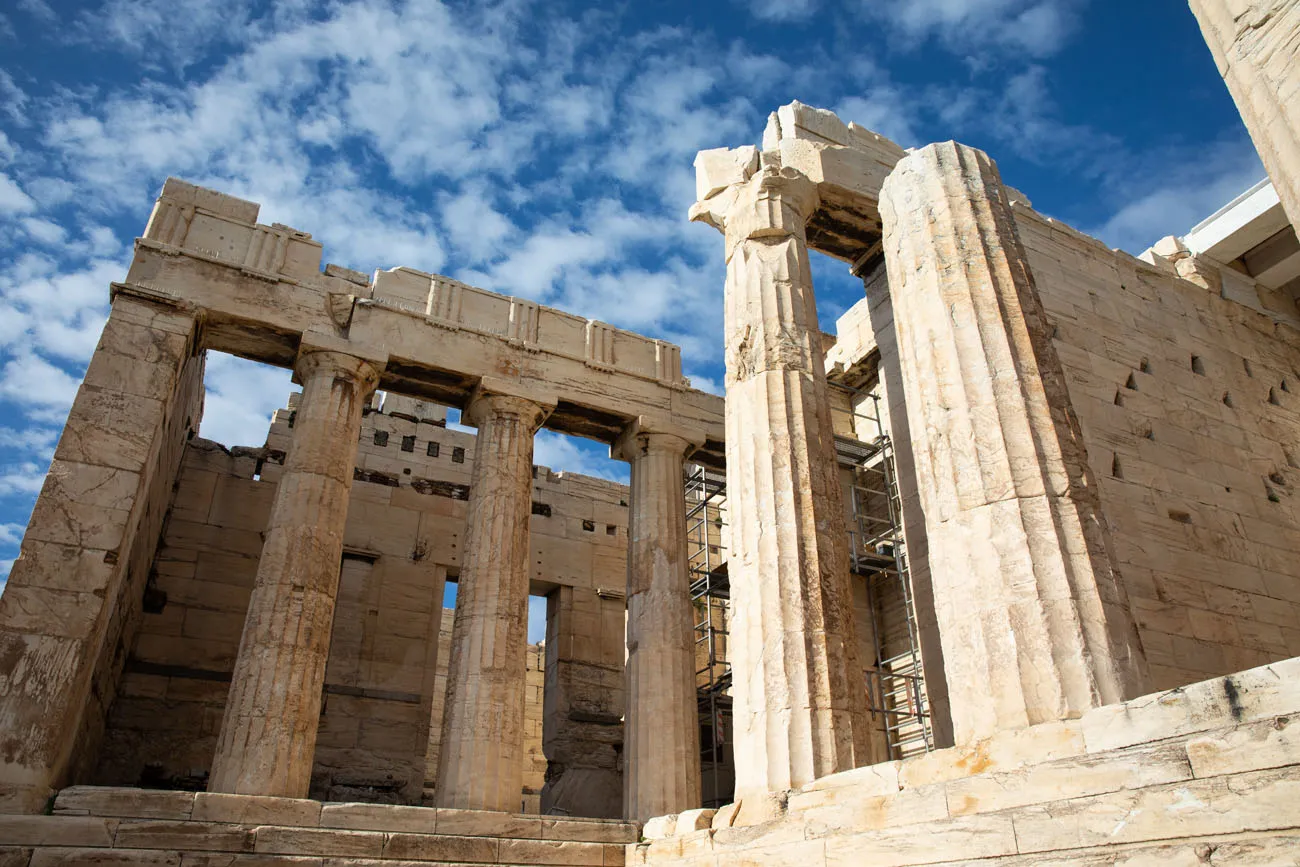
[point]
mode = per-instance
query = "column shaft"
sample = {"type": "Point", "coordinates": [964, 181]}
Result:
{"type": "Point", "coordinates": [1255, 44]}
{"type": "Point", "coordinates": [1033, 619]}
{"type": "Point", "coordinates": [482, 736]}
{"type": "Point", "coordinates": [799, 700]}
{"type": "Point", "coordinates": [268, 734]}
{"type": "Point", "coordinates": [662, 753]}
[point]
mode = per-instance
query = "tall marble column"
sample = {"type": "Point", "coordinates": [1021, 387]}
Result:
{"type": "Point", "coordinates": [798, 694]}
{"type": "Point", "coordinates": [481, 767]}
{"type": "Point", "coordinates": [1033, 618]}
{"type": "Point", "coordinates": [661, 769]}
{"type": "Point", "coordinates": [1254, 43]}
{"type": "Point", "coordinates": [268, 734]}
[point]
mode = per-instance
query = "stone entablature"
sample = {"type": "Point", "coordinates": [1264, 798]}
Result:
{"type": "Point", "coordinates": [601, 377]}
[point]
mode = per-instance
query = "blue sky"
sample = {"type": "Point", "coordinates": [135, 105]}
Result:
{"type": "Point", "coordinates": [541, 149]}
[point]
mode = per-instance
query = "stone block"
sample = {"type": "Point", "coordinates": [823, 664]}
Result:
{"type": "Point", "coordinates": [110, 429]}
{"type": "Point", "coordinates": [719, 168]}
{"type": "Point", "coordinates": [69, 857]}
{"type": "Point", "coordinates": [1271, 743]}
{"type": "Point", "coordinates": [256, 810]}
{"type": "Point", "coordinates": [184, 193]}
{"type": "Point", "coordinates": [123, 802]}
{"type": "Point", "coordinates": [1260, 801]}
{"type": "Point", "coordinates": [659, 827]}
{"type": "Point", "coordinates": [379, 817]}
{"type": "Point", "coordinates": [484, 823]}
{"type": "Point", "coordinates": [183, 836]}
{"type": "Point", "coordinates": [968, 837]}
{"type": "Point", "coordinates": [14, 856]}
{"type": "Point", "coordinates": [1268, 691]}
{"type": "Point", "coordinates": [429, 847]}
{"type": "Point", "coordinates": [879, 779]}
{"type": "Point", "coordinates": [690, 821]}
{"type": "Point", "coordinates": [1003, 751]}
{"type": "Point", "coordinates": [845, 809]}
{"type": "Point", "coordinates": [224, 859]}
{"type": "Point", "coordinates": [1061, 780]}
{"type": "Point", "coordinates": [57, 830]}
{"type": "Point", "coordinates": [312, 841]}
{"type": "Point", "coordinates": [545, 852]}
{"type": "Point", "coordinates": [591, 831]}
{"type": "Point", "coordinates": [800, 853]}
{"type": "Point", "coordinates": [725, 816]}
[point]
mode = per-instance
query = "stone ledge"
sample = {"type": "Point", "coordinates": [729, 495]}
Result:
{"type": "Point", "coordinates": [80, 839]}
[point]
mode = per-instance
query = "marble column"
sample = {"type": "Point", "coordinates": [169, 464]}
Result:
{"type": "Point", "coordinates": [481, 767]}
{"type": "Point", "coordinates": [798, 694]}
{"type": "Point", "coordinates": [1254, 43]}
{"type": "Point", "coordinates": [661, 770]}
{"type": "Point", "coordinates": [268, 734]}
{"type": "Point", "coordinates": [1032, 616]}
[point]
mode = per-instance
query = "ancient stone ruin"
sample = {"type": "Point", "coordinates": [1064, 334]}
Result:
{"type": "Point", "coordinates": [1005, 572]}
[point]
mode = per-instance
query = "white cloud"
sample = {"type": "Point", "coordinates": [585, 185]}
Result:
{"type": "Point", "coordinates": [39, 441]}
{"type": "Point", "coordinates": [11, 534]}
{"type": "Point", "coordinates": [884, 110]}
{"type": "Point", "coordinates": [154, 30]}
{"type": "Point", "coordinates": [240, 397]}
{"type": "Point", "coordinates": [561, 452]}
{"type": "Point", "coordinates": [24, 479]}
{"type": "Point", "coordinates": [705, 383]}
{"type": "Point", "coordinates": [969, 27]}
{"type": "Point", "coordinates": [12, 198]}
{"type": "Point", "coordinates": [1187, 193]}
{"type": "Point", "coordinates": [29, 380]}
{"type": "Point", "coordinates": [780, 10]}
{"type": "Point", "coordinates": [44, 231]}
{"type": "Point", "coordinates": [40, 10]}
{"type": "Point", "coordinates": [473, 225]}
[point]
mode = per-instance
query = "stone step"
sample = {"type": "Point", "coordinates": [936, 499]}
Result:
{"type": "Point", "coordinates": [209, 807]}
{"type": "Point", "coordinates": [1261, 805]}
{"type": "Point", "coordinates": [1212, 767]}
{"type": "Point", "coordinates": [103, 825]}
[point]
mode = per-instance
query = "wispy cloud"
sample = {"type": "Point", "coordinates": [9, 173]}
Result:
{"type": "Point", "coordinates": [968, 27]}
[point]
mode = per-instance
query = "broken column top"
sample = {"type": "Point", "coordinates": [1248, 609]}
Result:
{"type": "Point", "coordinates": [846, 161]}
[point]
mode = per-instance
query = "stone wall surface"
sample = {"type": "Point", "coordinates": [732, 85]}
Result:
{"type": "Point", "coordinates": [74, 593]}
{"type": "Point", "coordinates": [386, 676]}
{"type": "Point", "coordinates": [1205, 774]}
{"type": "Point", "coordinates": [1189, 411]}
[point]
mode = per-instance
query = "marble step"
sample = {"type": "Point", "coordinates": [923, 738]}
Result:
{"type": "Point", "coordinates": [102, 825]}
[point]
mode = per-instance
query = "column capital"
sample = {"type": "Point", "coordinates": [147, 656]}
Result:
{"type": "Point", "coordinates": [642, 436]}
{"type": "Point", "coordinates": [493, 397]}
{"type": "Point", "coordinates": [338, 364]}
{"type": "Point", "coordinates": [774, 202]}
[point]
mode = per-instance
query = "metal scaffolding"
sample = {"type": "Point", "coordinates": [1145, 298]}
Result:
{"type": "Point", "coordinates": [706, 495]}
{"type": "Point", "coordinates": [895, 682]}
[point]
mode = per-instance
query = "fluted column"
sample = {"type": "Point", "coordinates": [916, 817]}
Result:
{"type": "Point", "coordinates": [1254, 43]}
{"type": "Point", "coordinates": [661, 771]}
{"type": "Point", "coordinates": [481, 767]}
{"type": "Point", "coordinates": [268, 734]}
{"type": "Point", "coordinates": [798, 694]}
{"type": "Point", "coordinates": [1033, 619]}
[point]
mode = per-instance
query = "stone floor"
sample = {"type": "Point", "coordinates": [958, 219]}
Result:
{"type": "Point", "coordinates": [100, 825]}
